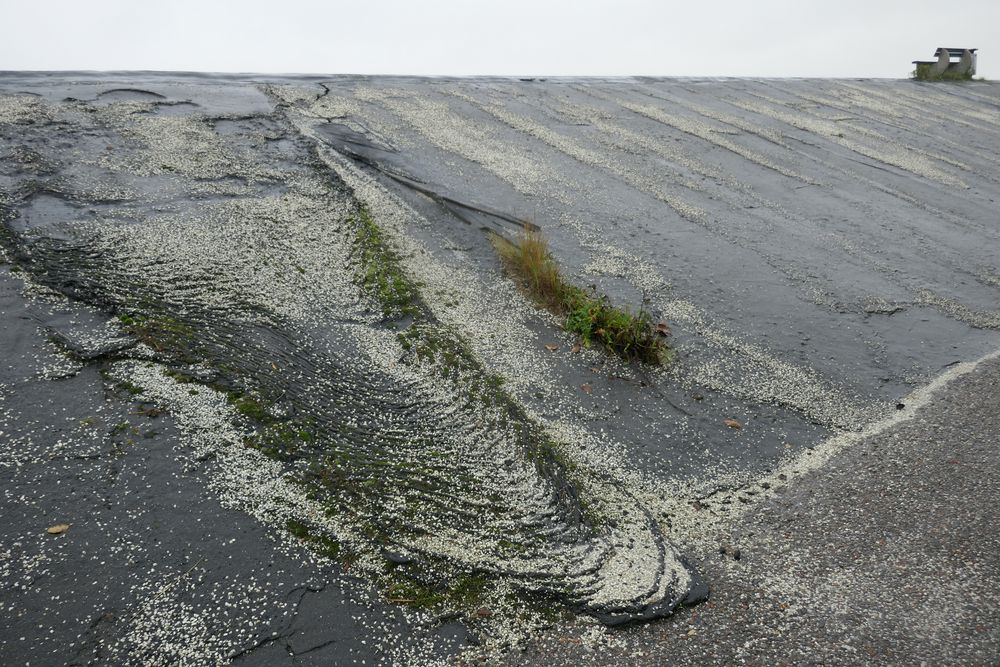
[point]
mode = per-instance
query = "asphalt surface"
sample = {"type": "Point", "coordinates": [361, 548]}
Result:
{"type": "Point", "coordinates": [174, 244]}
{"type": "Point", "coordinates": [154, 568]}
{"type": "Point", "coordinates": [889, 554]}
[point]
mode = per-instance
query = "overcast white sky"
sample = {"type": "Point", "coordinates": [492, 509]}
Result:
{"type": "Point", "coordinates": [875, 38]}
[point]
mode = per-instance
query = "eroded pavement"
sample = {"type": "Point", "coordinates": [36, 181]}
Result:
{"type": "Point", "coordinates": [260, 357]}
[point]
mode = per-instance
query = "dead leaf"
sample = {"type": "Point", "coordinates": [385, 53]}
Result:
{"type": "Point", "coordinates": [551, 347]}
{"type": "Point", "coordinates": [587, 388]}
{"type": "Point", "coordinates": [274, 365]}
{"type": "Point", "coordinates": [663, 329]}
{"type": "Point", "coordinates": [57, 529]}
{"type": "Point", "coordinates": [576, 348]}
{"type": "Point", "coordinates": [732, 423]}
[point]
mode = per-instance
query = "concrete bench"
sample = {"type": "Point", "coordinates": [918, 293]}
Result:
{"type": "Point", "coordinates": [963, 68]}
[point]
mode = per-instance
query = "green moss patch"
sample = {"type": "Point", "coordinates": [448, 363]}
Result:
{"type": "Point", "coordinates": [320, 542]}
{"type": "Point", "coordinates": [167, 335]}
{"type": "Point", "coordinates": [380, 275]}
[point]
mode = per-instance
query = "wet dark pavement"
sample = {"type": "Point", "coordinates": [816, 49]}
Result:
{"type": "Point", "coordinates": [888, 555]}
{"type": "Point", "coordinates": [152, 570]}
{"type": "Point", "coordinates": [819, 249]}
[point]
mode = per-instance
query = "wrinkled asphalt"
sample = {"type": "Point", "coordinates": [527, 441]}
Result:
{"type": "Point", "coordinates": [819, 249]}
{"type": "Point", "coordinates": [889, 554]}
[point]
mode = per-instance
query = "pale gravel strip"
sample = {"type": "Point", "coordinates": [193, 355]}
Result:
{"type": "Point", "coordinates": [981, 319]}
{"type": "Point", "coordinates": [740, 122]}
{"type": "Point", "coordinates": [17, 109]}
{"type": "Point", "coordinates": [476, 142]}
{"type": "Point", "coordinates": [890, 153]}
{"type": "Point", "coordinates": [849, 247]}
{"type": "Point", "coordinates": [934, 117]}
{"type": "Point", "coordinates": [777, 138]}
{"type": "Point", "coordinates": [185, 145]}
{"type": "Point", "coordinates": [632, 142]}
{"type": "Point", "coordinates": [953, 104]}
{"type": "Point", "coordinates": [881, 111]}
{"type": "Point", "coordinates": [815, 292]}
{"type": "Point", "coordinates": [869, 182]}
{"type": "Point", "coordinates": [301, 279]}
{"type": "Point", "coordinates": [522, 374]}
{"type": "Point", "coordinates": [642, 141]}
{"type": "Point", "coordinates": [331, 106]}
{"type": "Point", "coordinates": [851, 121]}
{"type": "Point", "coordinates": [990, 278]}
{"type": "Point", "coordinates": [921, 204]}
{"type": "Point", "coordinates": [705, 132]}
{"type": "Point", "coordinates": [641, 181]}
{"type": "Point", "coordinates": [246, 480]}
{"type": "Point", "coordinates": [623, 138]}
{"type": "Point", "coordinates": [700, 527]}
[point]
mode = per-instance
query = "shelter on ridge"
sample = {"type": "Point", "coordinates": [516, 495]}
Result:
{"type": "Point", "coordinates": [963, 67]}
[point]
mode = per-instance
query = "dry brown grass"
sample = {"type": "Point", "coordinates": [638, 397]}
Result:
{"type": "Point", "coordinates": [534, 267]}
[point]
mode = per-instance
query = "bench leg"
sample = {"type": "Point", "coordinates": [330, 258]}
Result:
{"type": "Point", "coordinates": [939, 68]}
{"type": "Point", "coordinates": [968, 63]}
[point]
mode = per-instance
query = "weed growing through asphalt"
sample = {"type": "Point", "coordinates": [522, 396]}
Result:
{"type": "Point", "coordinates": [588, 314]}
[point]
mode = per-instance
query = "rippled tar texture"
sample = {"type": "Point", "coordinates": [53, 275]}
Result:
{"type": "Point", "coordinates": [406, 452]}
{"type": "Point", "coordinates": [296, 271]}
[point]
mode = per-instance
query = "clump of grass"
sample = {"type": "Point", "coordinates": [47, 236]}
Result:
{"type": "Point", "coordinates": [533, 265]}
{"type": "Point", "coordinates": [628, 334]}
